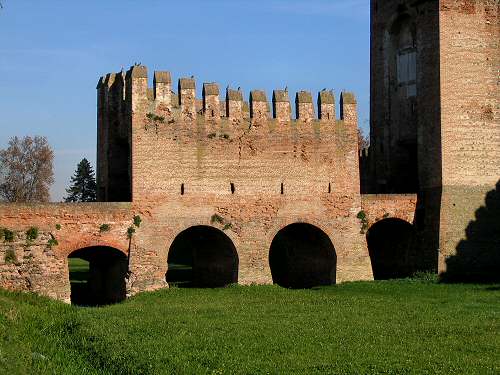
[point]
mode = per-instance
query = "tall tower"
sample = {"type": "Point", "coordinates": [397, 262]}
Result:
{"type": "Point", "coordinates": [435, 127]}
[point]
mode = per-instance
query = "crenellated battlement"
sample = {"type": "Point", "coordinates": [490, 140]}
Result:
{"type": "Point", "coordinates": [132, 87]}
{"type": "Point", "coordinates": [152, 140]}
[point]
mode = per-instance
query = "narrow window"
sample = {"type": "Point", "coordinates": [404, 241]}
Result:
{"type": "Point", "coordinates": [232, 188]}
{"type": "Point", "coordinates": [213, 113]}
{"type": "Point", "coordinates": [182, 189]}
{"type": "Point", "coordinates": [282, 188]}
{"type": "Point", "coordinates": [329, 188]}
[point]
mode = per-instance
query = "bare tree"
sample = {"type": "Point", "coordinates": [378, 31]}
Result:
{"type": "Point", "coordinates": [363, 140]}
{"type": "Point", "coordinates": [26, 171]}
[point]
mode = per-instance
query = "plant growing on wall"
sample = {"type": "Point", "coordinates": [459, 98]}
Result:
{"type": "Point", "coordinates": [32, 234]}
{"type": "Point", "coordinates": [153, 119]}
{"type": "Point", "coordinates": [8, 235]}
{"type": "Point", "coordinates": [52, 241]}
{"type": "Point", "coordinates": [364, 221]}
{"type": "Point", "coordinates": [137, 221]}
{"type": "Point", "coordinates": [215, 218]}
{"type": "Point", "coordinates": [130, 232]}
{"type": "Point", "coordinates": [58, 226]}
{"type": "Point", "coordinates": [104, 228]}
{"type": "Point", "coordinates": [10, 256]}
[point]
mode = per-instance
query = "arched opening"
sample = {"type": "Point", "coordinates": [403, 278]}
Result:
{"type": "Point", "coordinates": [391, 247]}
{"type": "Point", "coordinates": [202, 257]}
{"type": "Point", "coordinates": [97, 276]}
{"type": "Point", "coordinates": [302, 256]}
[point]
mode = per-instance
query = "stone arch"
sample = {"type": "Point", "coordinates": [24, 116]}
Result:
{"type": "Point", "coordinates": [202, 256]}
{"type": "Point", "coordinates": [302, 256]}
{"type": "Point", "coordinates": [391, 245]}
{"type": "Point", "coordinates": [97, 275]}
{"type": "Point", "coordinates": [65, 248]}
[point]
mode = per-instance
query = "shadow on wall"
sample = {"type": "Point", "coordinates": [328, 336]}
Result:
{"type": "Point", "coordinates": [477, 257]}
{"type": "Point", "coordinates": [391, 245]}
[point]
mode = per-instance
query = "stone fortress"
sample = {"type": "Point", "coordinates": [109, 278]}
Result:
{"type": "Point", "coordinates": [212, 192]}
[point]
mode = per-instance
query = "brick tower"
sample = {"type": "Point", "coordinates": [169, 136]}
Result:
{"type": "Point", "coordinates": [435, 125]}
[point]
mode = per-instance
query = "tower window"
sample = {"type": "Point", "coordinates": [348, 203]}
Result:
{"type": "Point", "coordinates": [182, 189]}
{"type": "Point", "coordinates": [407, 71]}
{"type": "Point", "coordinates": [232, 188]}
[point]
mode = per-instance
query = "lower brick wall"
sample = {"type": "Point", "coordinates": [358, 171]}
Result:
{"type": "Point", "coordinates": [251, 223]}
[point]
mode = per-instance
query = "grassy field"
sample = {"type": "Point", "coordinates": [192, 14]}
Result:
{"type": "Point", "coordinates": [78, 270]}
{"type": "Point", "coordinates": [393, 327]}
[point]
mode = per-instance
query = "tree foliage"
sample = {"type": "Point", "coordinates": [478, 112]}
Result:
{"type": "Point", "coordinates": [83, 186]}
{"type": "Point", "coordinates": [26, 170]}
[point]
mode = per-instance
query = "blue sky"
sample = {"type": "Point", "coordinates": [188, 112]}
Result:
{"type": "Point", "coordinates": [52, 53]}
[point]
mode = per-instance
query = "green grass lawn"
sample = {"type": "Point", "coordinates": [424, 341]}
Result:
{"type": "Point", "coordinates": [78, 270]}
{"type": "Point", "coordinates": [394, 327]}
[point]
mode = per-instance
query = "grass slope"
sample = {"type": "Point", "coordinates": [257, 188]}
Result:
{"type": "Point", "coordinates": [390, 327]}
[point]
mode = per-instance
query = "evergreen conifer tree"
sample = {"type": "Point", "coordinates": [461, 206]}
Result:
{"type": "Point", "coordinates": [83, 186]}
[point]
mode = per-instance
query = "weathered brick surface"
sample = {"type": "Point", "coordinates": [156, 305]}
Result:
{"type": "Point", "coordinates": [42, 268]}
{"type": "Point", "coordinates": [257, 174]}
{"type": "Point", "coordinates": [180, 160]}
{"type": "Point", "coordinates": [381, 206]}
{"type": "Point", "coordinates": [457, 121]}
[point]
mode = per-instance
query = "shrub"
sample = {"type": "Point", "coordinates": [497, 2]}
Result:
{"type": "Point", "coordinates": [58, 226]}
{"type": "Point", "coordinates": [137, 221]}
{"type": "Point", "coordinates": [361, 215]}
{"type": "Point", "coordinates": [364, 221]}
{"type": "Point", "coordinates": [52, 241]}
{"type": "Point", "coordinates": [217, 219]}
{"type": "Point", "coordinates": [10, 256]}
{"type": "Point", "coordinates": [227, 226]}
{"type": "Point", "coordinates": [130, 232]}
{"type": "Point", "coordinates": [104, 228]}
{"type": "Point", "coordinates": [8, 235]}
{"type": "Point", "coordinates": [32, 234]}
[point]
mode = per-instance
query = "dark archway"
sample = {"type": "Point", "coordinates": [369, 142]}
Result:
{"type": "Point", "coordinates": [203, 257]}
{"type": "Point", "coordinates": [302, 256]}
{"type": "Point", "coordinates": [391, 244]}
{"type": "Point", "coordinates": [97, 276]}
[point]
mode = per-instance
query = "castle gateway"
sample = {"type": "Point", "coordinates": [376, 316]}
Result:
{"type": "Point", "coordinates": [212, 192]}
